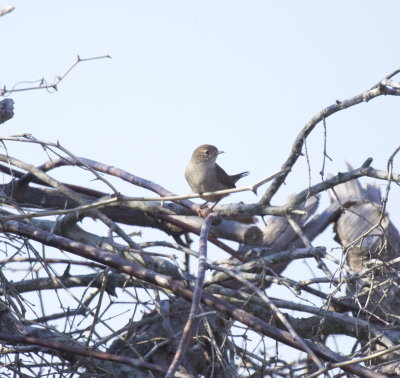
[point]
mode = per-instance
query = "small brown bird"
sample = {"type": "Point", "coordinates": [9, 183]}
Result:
{"type": "Point", "coordinates": [203, 174]}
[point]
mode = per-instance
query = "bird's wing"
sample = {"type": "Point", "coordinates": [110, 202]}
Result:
{"type": "Point", "coordinates": [228, 181]}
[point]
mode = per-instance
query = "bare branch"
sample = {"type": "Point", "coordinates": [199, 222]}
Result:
{"type": "Point", "coordinates": [180, 289]}
{"type": "Point", "coordinates": [194, 309]}
{"type": "Point", "coordinates": [6, 10]}
{"type": "Point", "coordinates": [43, 83]}
{"type": "Point", "coordinates": [383, 88]}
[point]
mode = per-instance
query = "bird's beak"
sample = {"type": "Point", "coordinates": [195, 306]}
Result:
{"type": "Point", "coordinates": [221, 152]}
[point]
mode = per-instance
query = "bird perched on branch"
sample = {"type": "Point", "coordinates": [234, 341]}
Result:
{"type": "Point", "coordinates": [204, 175]}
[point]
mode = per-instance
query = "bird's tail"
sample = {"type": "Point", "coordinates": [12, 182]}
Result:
{"type": "Point", "coordinates": [237, 177]}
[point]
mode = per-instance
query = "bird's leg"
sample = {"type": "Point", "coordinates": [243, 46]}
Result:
{"type": "Point", "coordinates": [212, 207]}
{"type": "Point", "coordinates": [204, 205]}
{"type": "Point", "coordinates": [204, 210]}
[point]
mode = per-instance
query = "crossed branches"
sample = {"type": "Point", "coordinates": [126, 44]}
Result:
{"type": "Point", "coordinates": [177, 215]}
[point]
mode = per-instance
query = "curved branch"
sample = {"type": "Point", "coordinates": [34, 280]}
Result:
{"type": "Point", "coordinates": [382, 88]}
{"type": "Point", "coordinates": [67, 192]}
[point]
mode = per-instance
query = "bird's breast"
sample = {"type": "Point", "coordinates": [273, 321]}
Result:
{"type": "Point", "coordinates": [202, 178]}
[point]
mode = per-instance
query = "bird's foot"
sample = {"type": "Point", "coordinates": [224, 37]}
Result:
{"type": "Point", "coordinates": [204, 205]}
{"type": "Point", "coordinates": [203, 210]}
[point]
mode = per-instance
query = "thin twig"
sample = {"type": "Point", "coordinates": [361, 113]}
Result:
{"type": "Point", "coordinates": [77, 162]}
{"type": "Point", "coordinates": [42, 82]}
{"type": "Point", "coordinates": [355, 361]}
{"type": "Point", "coordinates": [102, 202]}
{"type": "Point", "coordinates": [6, 10]}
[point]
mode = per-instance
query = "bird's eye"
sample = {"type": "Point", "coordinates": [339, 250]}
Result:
{"type": "Point", "coordinates": [206, 152]}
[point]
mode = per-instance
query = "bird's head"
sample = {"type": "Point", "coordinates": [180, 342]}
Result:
{"type": "Point", "coordinates": [206, 153]}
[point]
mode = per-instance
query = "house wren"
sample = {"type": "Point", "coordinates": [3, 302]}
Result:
{"type": "Point", "coordinates": [203, 174]}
